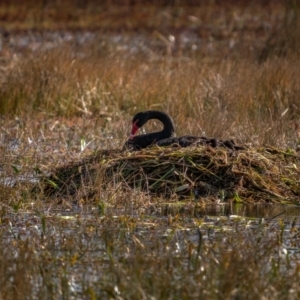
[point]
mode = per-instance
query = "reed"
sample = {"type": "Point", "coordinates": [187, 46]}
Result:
{"type": "Point", "coordinates": [80, 219]}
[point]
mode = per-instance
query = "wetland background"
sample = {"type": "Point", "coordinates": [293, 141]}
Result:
{"type": "Point", "coordinates": [72, 75]}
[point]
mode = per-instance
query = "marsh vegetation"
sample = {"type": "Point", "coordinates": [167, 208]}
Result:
{"type": "Point", "coordinates": [72, 77]}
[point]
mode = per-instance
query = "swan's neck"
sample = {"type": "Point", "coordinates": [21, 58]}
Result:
{"type": "Point", "coordinates": [145, 140]}
{"type": "Point", "coordinates": [168, 129]}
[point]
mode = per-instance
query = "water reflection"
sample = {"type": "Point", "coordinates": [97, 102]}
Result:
{"type": "Point", "coordinates": [267, 211]}
{"type": "Point", "coordinates": [138, 43]}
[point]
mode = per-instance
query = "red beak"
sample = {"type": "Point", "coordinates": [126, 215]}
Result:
{"type": "Point", "coordinates": [134, 129]}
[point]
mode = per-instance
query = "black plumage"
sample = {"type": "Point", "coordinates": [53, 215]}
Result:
{"type": "Point", "coordinates": [166, 137]}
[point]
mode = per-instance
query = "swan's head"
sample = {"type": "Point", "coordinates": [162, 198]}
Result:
{"type": "Point", "coordinates": [138, 121]}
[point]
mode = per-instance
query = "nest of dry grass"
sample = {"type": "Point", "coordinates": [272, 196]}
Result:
{"type": "Point", "coordinates": [251, 175]}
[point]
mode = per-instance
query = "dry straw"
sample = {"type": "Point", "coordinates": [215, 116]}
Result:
{"type": "Point", "coordinates": [199, 173]}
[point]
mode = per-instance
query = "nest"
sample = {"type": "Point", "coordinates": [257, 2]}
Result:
{"type": "Point", "coordinates": [202, 172]}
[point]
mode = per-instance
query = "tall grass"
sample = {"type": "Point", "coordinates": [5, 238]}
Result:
{"type": "Point", "coordinates": [232, 98]}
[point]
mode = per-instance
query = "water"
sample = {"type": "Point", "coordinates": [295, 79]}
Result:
{"type": "Point", "coordinates": [268, 211]}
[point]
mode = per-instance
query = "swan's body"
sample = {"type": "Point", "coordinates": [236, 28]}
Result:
{"type": "Point", "coordinates": [166, 137]}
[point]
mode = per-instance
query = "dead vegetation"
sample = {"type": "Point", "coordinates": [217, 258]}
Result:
{"type": "Point", "coordinates": [79, 219]}
{"type": "Point", "coordinates": [265, 175]}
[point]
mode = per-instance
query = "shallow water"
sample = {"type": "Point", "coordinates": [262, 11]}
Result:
{"type": "Point", "coordinates": [268, 212]}
{"type": "Point", "coordinates": [246, 210]}
{"type": "Point", "coordinates": [64, 233]}
{"type": "Point", "coordinates": [137, 43]}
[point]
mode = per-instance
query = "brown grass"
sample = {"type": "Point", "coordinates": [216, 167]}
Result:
{"type": "Point", "coordinates": [62, 101]}
{"type": "Point", "coordinates": [201, 174]}
{"type": "Point", "coordinates": [127, 15]}
{"type": "Point", "coordinates": [229, 98]}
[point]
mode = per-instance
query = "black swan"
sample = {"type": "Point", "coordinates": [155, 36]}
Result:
{"type": "Point", "coordinates": [166, 137]}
